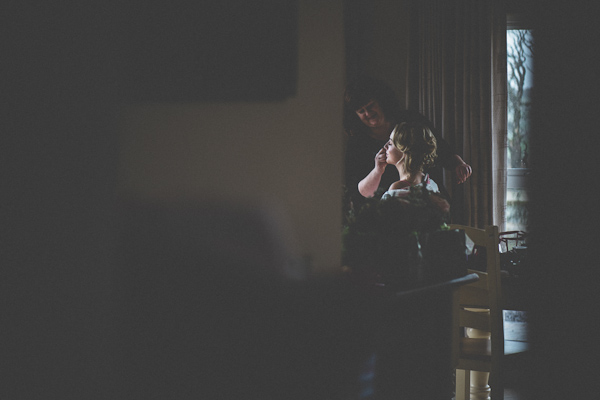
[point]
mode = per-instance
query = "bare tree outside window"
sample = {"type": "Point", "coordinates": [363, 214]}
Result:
{"type": "Point", "coordinates": [520, 56]}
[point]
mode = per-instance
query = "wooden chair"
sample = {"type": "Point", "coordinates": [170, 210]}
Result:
{"type": "Point", "coordinates": [478, 310]}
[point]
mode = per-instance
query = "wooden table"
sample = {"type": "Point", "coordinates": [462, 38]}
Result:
{"type": "Point", "coordinates": [413, 346]}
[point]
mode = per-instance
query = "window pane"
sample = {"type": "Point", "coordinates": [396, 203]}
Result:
{"type": "Point", "coordinates": [519, 81]}
{"type": "Point", "coordinates": [516, 209]}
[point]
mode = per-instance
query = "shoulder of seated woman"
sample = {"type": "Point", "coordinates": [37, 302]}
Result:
{"type": "Point", "coordinates": [399, 185]}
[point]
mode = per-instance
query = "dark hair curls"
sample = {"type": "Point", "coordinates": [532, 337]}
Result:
{"type": "Point", "coordinates": [358, 93]}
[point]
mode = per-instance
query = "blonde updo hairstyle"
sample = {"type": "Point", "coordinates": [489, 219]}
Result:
{"type": "Point", "coordinates": [417, 143]}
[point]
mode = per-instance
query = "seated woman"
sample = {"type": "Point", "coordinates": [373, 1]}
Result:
{"type": "Point", "coordinates": [411, 148]}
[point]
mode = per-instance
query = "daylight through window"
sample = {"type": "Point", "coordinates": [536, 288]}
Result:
{"type": "Point", "coordinates": [520, 53]}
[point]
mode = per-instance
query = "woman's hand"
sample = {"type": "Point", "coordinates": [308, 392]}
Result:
{"type": "Point", "coordinates": [463, 172]}
{"type": "Point", "coordinates": [370, 183]}
{"type": "Point", "coordinates": [380, 159]}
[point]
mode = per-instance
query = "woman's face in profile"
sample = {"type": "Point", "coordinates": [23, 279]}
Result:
{"type": "Point", "coordinates": [392, 153]}
{"type": "Point", "coordinates": [371, 114]}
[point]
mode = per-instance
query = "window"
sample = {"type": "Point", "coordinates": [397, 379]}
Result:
{"type": "Point", "coordinates": [520, 54]}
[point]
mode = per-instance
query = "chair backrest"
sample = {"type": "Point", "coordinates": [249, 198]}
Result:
{"type": "Point", "coordinates": [485, 294]}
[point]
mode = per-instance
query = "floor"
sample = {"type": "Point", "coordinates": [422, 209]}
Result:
{"type": "Point", "coordinates": [515, 328]}
{"type": "Point", "coordinates": [511, 394]}
{"type": "Point", "coordinates": [512, 390]}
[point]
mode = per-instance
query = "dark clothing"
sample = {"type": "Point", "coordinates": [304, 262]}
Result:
{"type": "Point", "coordinates": [360, 160]}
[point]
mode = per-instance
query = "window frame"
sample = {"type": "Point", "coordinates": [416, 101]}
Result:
{"type": "Point", "coordinates": [517, 178]}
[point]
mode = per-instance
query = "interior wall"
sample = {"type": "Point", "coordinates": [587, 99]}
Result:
{"type": "Point", "coordinates": [64, 161]}
{"type": "Point", "coordinates": [285, 154]}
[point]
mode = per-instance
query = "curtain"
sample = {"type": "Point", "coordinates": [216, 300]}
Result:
{"type": "Point", "coordinates": [456, 76]}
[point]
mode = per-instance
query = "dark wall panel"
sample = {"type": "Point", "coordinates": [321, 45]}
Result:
{"type": "Point", "coordinates": [228, 50]}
